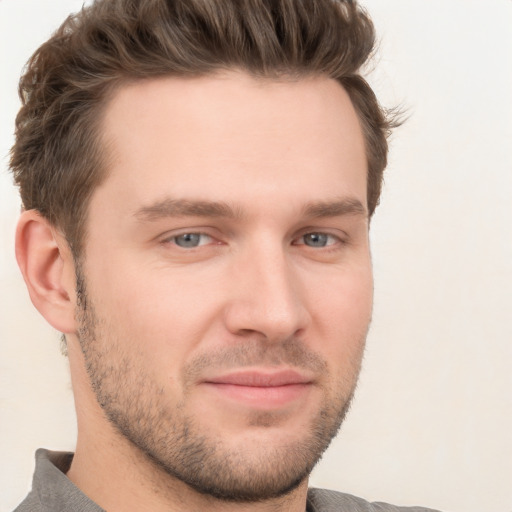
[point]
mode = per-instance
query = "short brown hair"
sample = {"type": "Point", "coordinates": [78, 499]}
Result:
{"type": "Point", "coordinates": [57, 158]}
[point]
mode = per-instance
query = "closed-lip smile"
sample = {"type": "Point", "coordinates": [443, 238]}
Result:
{"type": "Point", "coordinates": [261, 388]}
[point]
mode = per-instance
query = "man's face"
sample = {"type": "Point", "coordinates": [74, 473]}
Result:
{"type": "Point", "coordinates": [227, 276]}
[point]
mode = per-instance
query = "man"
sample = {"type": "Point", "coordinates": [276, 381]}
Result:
{"type": "Point", "coordinates": [198, 179]}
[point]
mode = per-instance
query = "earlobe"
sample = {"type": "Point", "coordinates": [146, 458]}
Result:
{"type": "Point", "coordinates": [48, 269]}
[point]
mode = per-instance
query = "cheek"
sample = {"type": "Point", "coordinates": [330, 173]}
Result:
{"type": "Point", "coordinates": [343, 314]}
{"type": "Point", "coordinates": [162, 312]}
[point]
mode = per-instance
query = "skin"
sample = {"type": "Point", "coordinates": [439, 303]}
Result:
{"type": "Point", "coordinates": [277, 290]}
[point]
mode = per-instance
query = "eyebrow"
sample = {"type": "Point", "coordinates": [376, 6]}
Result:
{"type": "Point", "coordinates": [218, 209]}
{"type": "Point", "coordinates": [335, 208]}
{"type": "Point", "coordinates": [185, 208]}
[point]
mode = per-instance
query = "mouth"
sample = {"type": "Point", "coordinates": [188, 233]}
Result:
{"type": "Point", "coordinates": [261, 389]}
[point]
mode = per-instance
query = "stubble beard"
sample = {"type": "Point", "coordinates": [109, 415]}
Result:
{"type": "Point", "coordinates": [178, 444]}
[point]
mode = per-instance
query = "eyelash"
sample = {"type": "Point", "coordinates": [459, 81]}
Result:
{"type": "Point", "coordinates": [336, 241]}
{"type": "Point", "coordinates": [189, 234]}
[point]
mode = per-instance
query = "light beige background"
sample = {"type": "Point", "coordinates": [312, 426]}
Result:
{"type": "Point", "coordinates": [432, 422]}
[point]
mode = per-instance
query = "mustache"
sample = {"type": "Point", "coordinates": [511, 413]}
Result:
{"type": "Point", "coordinates": [291, 352]}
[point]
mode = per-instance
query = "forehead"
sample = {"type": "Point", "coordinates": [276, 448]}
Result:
{"type": "Point", "coordinates": [235, 137]}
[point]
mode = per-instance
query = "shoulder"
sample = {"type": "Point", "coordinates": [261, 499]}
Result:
{"type": "Point", "coordinates": [322, 500]}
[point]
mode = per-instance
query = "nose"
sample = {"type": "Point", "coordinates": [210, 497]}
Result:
{"type": "Point", "coordinates": [267, 296]}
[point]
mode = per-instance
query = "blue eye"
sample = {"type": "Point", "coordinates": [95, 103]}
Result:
{"type": "Point", "coordinates": [191, 240]}
{"type": "Point", "coordinates": [318, 239]}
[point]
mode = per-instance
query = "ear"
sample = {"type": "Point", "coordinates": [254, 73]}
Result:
{"type": "Point", "coordinates": [48, 269]}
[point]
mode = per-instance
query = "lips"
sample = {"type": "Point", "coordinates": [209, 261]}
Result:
{"type": "Point", "coordinates": [261, 389]}
{"type": "Point", "coordinates": [261, 378]}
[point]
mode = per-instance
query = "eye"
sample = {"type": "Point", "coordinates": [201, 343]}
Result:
{"type": "Point", "coordinates": [318, 240]}
{"type": "Point", "coordinates": [191, 240]}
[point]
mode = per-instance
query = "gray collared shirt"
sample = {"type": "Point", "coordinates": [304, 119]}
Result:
{"type": "Point", "coordinates": [52, 491]}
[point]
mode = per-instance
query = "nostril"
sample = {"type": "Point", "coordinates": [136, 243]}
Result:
{"type": "Point", "coordinates": [269, 321]}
